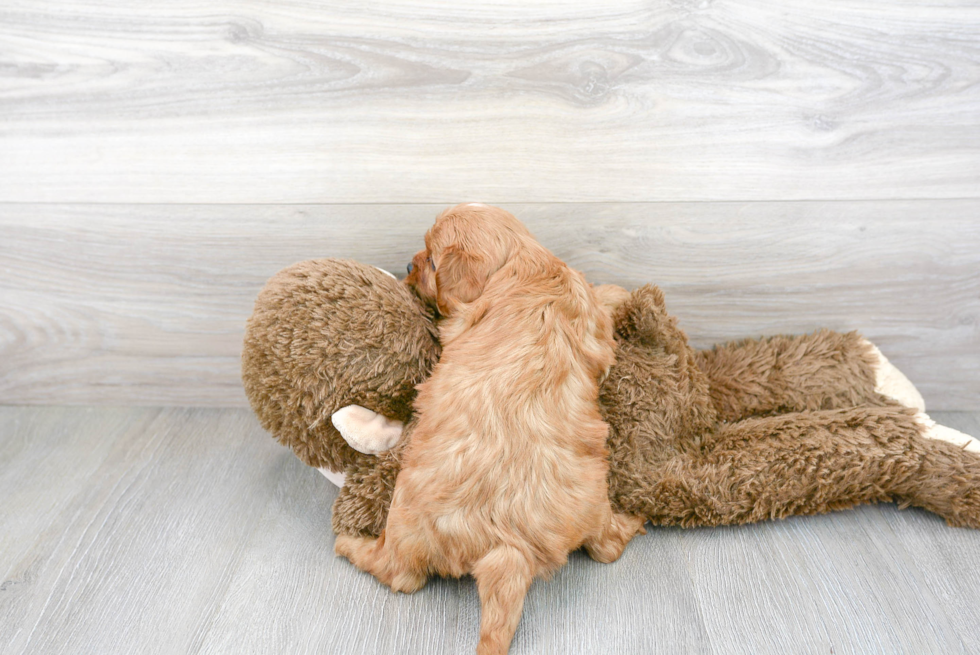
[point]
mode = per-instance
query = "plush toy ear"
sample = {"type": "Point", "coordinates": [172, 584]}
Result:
{"type": "Point", "coordinates": [460, 278]}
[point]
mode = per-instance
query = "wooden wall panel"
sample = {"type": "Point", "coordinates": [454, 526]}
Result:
{"type": "Point", "coordinates": [146, 304]}
{"type": "Point", "coordinates": [286, 101]}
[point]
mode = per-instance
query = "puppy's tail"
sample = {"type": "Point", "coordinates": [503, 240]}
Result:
{"type": "Point", "coordinates": [502, 577]}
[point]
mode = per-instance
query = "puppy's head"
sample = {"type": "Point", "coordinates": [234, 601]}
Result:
{"type": "Point", "coordinates": [422, 277]}
{"type": "Point", "coordinates": [465, 247]}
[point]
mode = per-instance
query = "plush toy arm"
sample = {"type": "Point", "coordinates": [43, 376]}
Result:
{"type": "Point", "coordinates": [823, 370]}
{"type": "Point", "coordinates": [361, 507]}
{"type": "Point", "coordinates": [366, 431]}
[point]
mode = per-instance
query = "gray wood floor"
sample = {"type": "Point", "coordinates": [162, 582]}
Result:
{"type": "Point", "coordinates": [134, 530]}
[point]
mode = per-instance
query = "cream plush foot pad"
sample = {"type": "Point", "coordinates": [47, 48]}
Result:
{"type": "Point", "coordinates": [337, 478]}
{"type": "Point", "coordinates": [935, 431]}
{"type": "Point", "coordinates": [891, 382]}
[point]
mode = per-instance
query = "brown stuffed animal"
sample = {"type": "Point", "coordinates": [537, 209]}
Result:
{"type": "Point", "coordinates": [758, 429]}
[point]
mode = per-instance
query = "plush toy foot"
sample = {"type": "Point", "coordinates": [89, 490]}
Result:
{"type": "Point", "coordinates": [933, 430]}
{"type": "Point", "coordinates": [891, 382]}
{"type": "Point", "coordinates": [366, 431]}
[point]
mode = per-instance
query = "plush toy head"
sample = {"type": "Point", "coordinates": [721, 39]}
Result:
{"type": "Point", "coordinates": [330, 333]}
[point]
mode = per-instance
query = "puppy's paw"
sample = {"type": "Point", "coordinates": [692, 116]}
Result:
{"type": "Point", "coordinates": [611, 296]}
{"type": "Point", "coordinates": [891, 382]}
{"type": "Point", "coordinates": [366, 431]}
{"type": "Point", "coordinates": [609, 544]}
{"type": "Point", "coordinates": [408, 582]}
{"type": "Point", "coordinates": [932, 430]}
{"type": "Point", "coordinates": [344, 545]}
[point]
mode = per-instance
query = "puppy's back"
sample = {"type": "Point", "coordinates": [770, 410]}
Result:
{"type": "Point", "coordinates": [510, 442]}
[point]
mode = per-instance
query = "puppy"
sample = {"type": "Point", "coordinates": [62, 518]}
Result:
{"type": "Point", "coordinates": [505, 471]}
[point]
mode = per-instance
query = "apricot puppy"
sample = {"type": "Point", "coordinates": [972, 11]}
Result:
{"type": "Point", "coordinates": [505, 471]}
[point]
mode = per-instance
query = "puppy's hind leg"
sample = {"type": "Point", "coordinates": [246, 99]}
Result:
{"type": "Point", "coordinates": [376, 557]}
{"type": "Point", "coordinates": [609, 544]}
{"type": "Point", "coordinates": [503, 577]}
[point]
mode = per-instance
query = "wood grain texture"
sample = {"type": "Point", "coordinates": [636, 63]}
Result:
{"type": "Point", "coordinates": [127, 530]}
{"type": "Point", "coordinates": [289, 101]}
{"type": "Point", "coordinates": [146, 304]}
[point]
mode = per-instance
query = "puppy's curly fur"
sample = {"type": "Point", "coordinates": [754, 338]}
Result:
{"type": "Point", "coordinates": [505, 471]}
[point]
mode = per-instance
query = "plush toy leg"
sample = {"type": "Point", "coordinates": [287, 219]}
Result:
{"type": "Point", "coordinates": [947, 483]}
{"type": "Point", "coordinates": [366, 431]}
{"type": "Point", "coordinates": [813, 462]}
{"type": "Point", "coordinates": [823, 370]}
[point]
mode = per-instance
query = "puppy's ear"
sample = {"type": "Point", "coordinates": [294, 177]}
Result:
{"type": "Point", "coordinates": [460, 278]}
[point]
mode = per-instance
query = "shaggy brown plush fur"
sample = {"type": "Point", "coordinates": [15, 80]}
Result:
{"type": "Point", "coordinates": [747, 431]}
{"type": "Point", "coordinates": [764, 429]}
{"type": "Point", "coordinates": [330, 333]}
